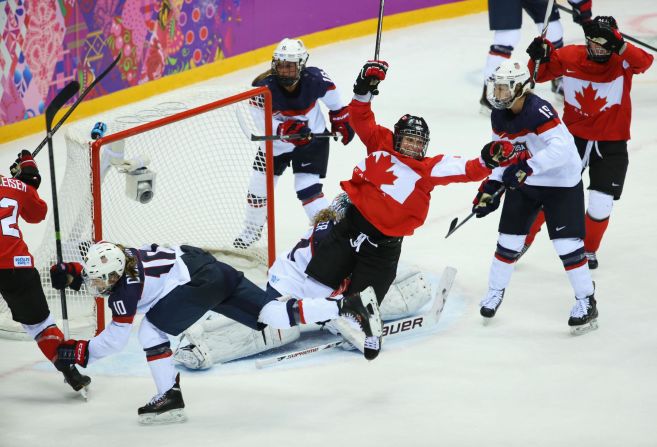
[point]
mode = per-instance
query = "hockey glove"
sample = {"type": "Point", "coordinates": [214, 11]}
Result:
{"type": "Point", "coordinates": [340, 124]}
{"type": "Point", "coordinates": [540, 50]}
{"type": "Point", "coordinates": [497, 153]}
{"type": "Point", "coordinates": [604, 31]}
{"type": "Point", "coordinates": [294, 127]}
{"type": "Point", "coordinates": [581, 11]}
{"type": "Point", "coordinates": [484, 203]}
{"type": "Point", "coordinates": [71, 352]}
{"type": "Point", "coordinates": [99, 130]}
{"type": "Point", "coordinates": [66, 274]}
{"type": "Point", "coordinates": [369, 77]}
{"type": "Point", "coordinates": [25, 169]}
{"type": "Point", "coordinates": [516, 174]}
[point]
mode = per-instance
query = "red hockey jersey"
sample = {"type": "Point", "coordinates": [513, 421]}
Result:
{"type": "Point", "coordinates": [597, 102]}
{"type": "Point", "coordinates": [17, 199]}
{"type": "Point", "coordinates": [392, 191]}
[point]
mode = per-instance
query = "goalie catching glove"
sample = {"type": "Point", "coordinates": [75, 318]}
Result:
{"type": "Point", "coordinates": [340, 124]}
{"type": "Point", "coordinates": [369, 77]}
{"type": "Point", "coordinates": [66, 274]}
{"type": "Point", "coordinates": [25, 169]}
{"type": "Point", "coordinates": [294, 127]}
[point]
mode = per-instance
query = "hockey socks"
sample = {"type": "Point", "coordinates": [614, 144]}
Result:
{"type": "Point", "coordinates": [160, 361]}
{"type": "Point", "coordinates": [48, 340]}
{"type": "Point", "coordinates": [595, 229]}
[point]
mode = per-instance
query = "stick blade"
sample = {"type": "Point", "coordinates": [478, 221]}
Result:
{"type": "Point", "coordinates": [452, 227]}
{"type": "Point", "coordinates": [59, 100]}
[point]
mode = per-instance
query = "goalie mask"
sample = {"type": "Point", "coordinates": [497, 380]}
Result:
{"type": "Point", "coordinates": [596, 32]}
{"type": "Point", "coordinates": [289, 60]}
{"type": "Point", "coordinates": [411, 136]}
{"type": "Point", "coordinates": [103, 266]}
{"type": "Point", "coordinates": [509, 82]}
{"type": "Point", "coordinates": [340, 204]}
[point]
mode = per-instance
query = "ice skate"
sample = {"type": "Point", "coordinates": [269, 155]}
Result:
{"type": "Point", "coordinates": [248, 237]}
{"type": "Point", "coordinates": [79, 382]}
{"type": "Point", "coordinates": [557, 88]}
{"type": "Point", "coordinates": [490, 303]}
{"type": "Point", "coordinates": [583, 316]}
{"type": "Point", "coordinates": [485, 107]}
{"type": "Point", "coordinates": [592, 258]}
{"type": "Point", "coordinates": [360, 322]}
{"type": "Point", "coordinates": [164, 408]}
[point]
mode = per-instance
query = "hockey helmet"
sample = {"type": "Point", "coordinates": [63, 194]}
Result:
{"type": "Point", "coordinates": [508, 83]}
{"type": "Point", "coordinates": [411, 136]}
{"type": "Point", "coordinates": [288, 61]}
{"type": "Point", "coordinates": [596, 32]}
{"type": "Point", "coordinates": [103, 266]}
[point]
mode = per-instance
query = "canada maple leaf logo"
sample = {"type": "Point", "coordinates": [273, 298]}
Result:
{"type": "Point", "coordinates": [589, 102]}
{"type": "Point", "coordinates": [378, 171]}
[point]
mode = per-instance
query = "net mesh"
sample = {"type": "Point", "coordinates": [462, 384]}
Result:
{"type": "Point", "coordinates": [199, 171]}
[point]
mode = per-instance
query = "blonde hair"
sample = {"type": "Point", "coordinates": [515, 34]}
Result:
{"type": "Point", "coordinates": [130, 264]}
{"type": "Point", "coordinates": [262, 76]}
{"type": "Point", "coordinates": [324, 215]}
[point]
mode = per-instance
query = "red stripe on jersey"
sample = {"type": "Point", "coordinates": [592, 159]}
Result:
{"type": "Point", "coordinates": [331, 87]}
{"type": "Point", "coordinates": [512, 136]}
{"type": "Point", "coordinates": [504, 260]}
{"type": "Point", "coordinates": [549, 125]}
{"type": "Point", "coordinates": [579, 264]}
{"type": "Point", "coordinates": [152, 358]}
{"type": "Point", "coordinates": [299, 111]}
{"type": "Point", "coordinates": [127, 319]}
{"type": "Point", "coordinates": [504, 55]}
{"type": "Point", "coordinates": [302, 319]}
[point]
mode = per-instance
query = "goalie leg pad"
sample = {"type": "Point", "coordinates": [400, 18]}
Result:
{"type": "Point", "coordinates": [406, 296]}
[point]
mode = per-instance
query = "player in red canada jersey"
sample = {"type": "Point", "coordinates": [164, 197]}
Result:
{"type": "Point", "coordinates": [597, 78]}
{"type": "Point", "coordinates": [390, 192]}
{"type": "Point", "coordinates": [20, 283]}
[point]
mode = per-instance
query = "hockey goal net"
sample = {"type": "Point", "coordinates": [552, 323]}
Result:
{"type": "Point", "coordinates": [198, 159]}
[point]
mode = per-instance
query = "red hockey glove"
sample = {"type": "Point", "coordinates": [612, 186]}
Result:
{"type": "Point", "coordinates": [340, 124]}
{"type": "Point", "coordinates": [516, 174]}
{"type": "Point", "coordinates": [581, 11]}
{"type": "Point", "coordinates": [25, 169]}
{"type": "Point", "coordinates": [294, 127]}
{"type": "Point", "coordinates": [369, 77]}
{"type": "Point", "coordinates": [483, 202]}
{"type": "Point", "coordinates": [66, 273]}
{"type": "Point", "coordinates": [73, 351]}
{"type": "Point", "coordinates": [497, 153]}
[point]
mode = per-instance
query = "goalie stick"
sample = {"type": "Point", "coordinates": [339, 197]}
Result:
{"type": "Point", "coordinates": [453, 225]}
{"type": "Point", "coordinates": [56, 104]}
{"type": "Point", "coordinates": [412, 324]}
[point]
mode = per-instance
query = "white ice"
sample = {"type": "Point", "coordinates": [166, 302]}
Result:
{"type": "Point", "coordinates": [521, 381]}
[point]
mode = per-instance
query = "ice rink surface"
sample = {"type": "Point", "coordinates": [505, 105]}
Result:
{"type": "Point", "coordinates": [523, 380]}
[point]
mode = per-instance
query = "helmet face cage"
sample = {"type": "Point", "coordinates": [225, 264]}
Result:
{"type": "Point", "coordinates": [412, 136]}
{"type": "Point", "coordinates": [289, 53]}
{"type": "Point", "coordinates": [509, 82]}
{"type": "Point", "coordinates": [103, 265]}
{"type": "Point", "coordinates": [594, 41]}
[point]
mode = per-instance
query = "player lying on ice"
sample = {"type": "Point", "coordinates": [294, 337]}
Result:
{"type": "Point", "coordinates": [218, 340]}
{"type": "Point", "coordinates": [173, 287]}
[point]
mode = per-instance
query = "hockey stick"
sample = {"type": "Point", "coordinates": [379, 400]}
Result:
{"type": "Point", "coordinates": [413, 324]}
{"type": "Point", "coordinates": [378, 31]}
{"type": "Point", "coordinates": [625, 36]}
{"type": "Point", "coordinates": [294, 136]}
{"type": "Point", "coordinates": [537, 62]}
{"type": "Point", "coordinates": [453, 226]}
{"type": "Point", "coordinates": [84, 93]}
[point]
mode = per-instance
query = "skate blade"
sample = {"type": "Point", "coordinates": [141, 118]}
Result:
{"type": "Point", "coordinates": [486, 321]}
{"type": "Point", "coordinates": [584, 328]}
{"type": "Point", "coordinates": [168, 417]}
{"type": "Point", "coordinates": [84, 392]}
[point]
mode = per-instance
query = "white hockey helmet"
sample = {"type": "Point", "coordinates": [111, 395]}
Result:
{"type": "Point", "coordinates": [289, 50]}
{"type": "Point", "coordinates": [103, 265]}
{"type": "Point", "coordinates": [509, 82]}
